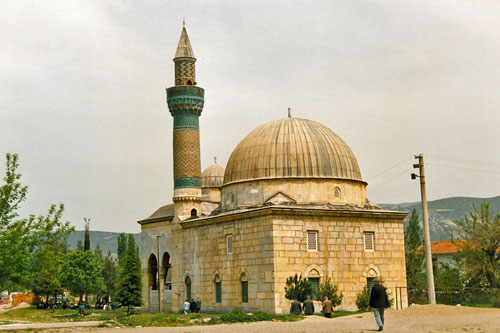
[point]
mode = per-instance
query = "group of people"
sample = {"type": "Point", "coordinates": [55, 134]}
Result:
{"type": "Point", "coordinates": [193, 306]}
{"type": "Point", "coordinates": [308, 307]}
{"type": "Point", "coordinates": [378, 303]}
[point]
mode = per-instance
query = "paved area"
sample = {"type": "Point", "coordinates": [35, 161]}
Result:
{"type": "Point", "coordinates": [419, 318]}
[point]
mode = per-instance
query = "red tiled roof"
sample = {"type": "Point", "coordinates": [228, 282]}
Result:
{"type": "Point", "coordinates": [441, 247]}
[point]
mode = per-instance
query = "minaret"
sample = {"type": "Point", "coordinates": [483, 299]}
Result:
{"type": "Point", "coordinates": [185, 102]}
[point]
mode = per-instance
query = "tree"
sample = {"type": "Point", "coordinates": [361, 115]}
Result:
{"type": "Point", "coordinates": [130, 281]}
{"type": "Point", "coordinates": [415, 276]}
{"type": "Point", "coordinates": [328, 289]}
{"type": "Point", "coordinates": [86, 242]}
{"type": "Point", "coordinates": [446, 275]}
{"type": "Point", "coordinates": [15, 240]}
{"type": "Point", "coordinates": [122, 247]}
{"type": "Point", "coordinates": [363, 299]}
{"type": "Point", "coordinates": [81, 273]}
{"type": "Point", "coordinates": [480, 235]}
{"type": "Point", "coordinates": [50, 245]}
{"type": "Point", "coordinates": [109, 274]}
{"type": "Point", "coordinates": [297, 288]}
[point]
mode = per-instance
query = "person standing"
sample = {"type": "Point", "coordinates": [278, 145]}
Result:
{"type": "Point", "coordinates": [308, 306]}
{"type": "Point", "coordinates": [192, 306]}
{"type": "Point", "coordinates": [185, 306]}
{"type": "Point", "coordinates": [295, 308]}
{"type": "Point", "coordinates": [327, 308]}
{"type": "Point", "coordinates": [378, 302]}
{"type": "Point", "coordinates": [198, 305]}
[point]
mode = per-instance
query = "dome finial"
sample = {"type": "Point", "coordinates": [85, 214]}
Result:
{"type": "Point", "coordinates": [289, 112]}
{"type": "Point", "coordinates": [215, 159]}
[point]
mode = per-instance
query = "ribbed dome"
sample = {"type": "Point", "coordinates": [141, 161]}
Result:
{"type": "Point", "coordinates": [213, 176]}
{"type": "Point", "coordinates": [291, 148]}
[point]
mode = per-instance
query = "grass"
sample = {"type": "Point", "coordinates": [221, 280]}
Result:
{"type": "Point", "coordinates": [119, 317]}
{"type": "Point", "coordinates": [341, 313]}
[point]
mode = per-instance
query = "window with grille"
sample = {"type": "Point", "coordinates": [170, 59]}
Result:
{"type": "Point", "coordinates": [312, 240]}
{"type": "Point", "coordinates": [369, 237]}
{"type": "Point", "coordinates": [315, 288]}
{"type": "Point", "coordinates": [244, 291]}
{"type": "Point", "coordinates": [336, 192]}
{"type": "Point", "coordinates": [218, 292]}
{"type": "Point", "coordinates": [229, 244]}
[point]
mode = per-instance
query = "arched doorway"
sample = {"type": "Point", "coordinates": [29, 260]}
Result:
{"type": "Point", "coordinates": [167, 273]}
{"type": "Point", "coordinates": [152, 272]}
{"type": "Point", "coordinates": [188, 288]}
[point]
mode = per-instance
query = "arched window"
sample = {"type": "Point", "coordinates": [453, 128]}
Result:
{"type": "Point", "coordinates": [336, 192]}
{"type": "Point", "coordinates": [232, 198]}
{"type": "Point", "coordinates": [167, 273]}
{"type": "Point", "coordinates": [244, 287]}
{"type": "Point", "coordinates": [189, 82]}
{"type": "Point", "coordinates": [194, 213]}
{"type": "Point", "coordinates": [152, 272]}
{"type": "Point", "coordinates": [188, 288]}
{"type": "Point", "coordinates": [218, 288]}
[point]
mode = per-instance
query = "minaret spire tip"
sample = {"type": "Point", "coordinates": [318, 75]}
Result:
{"type": "Point", "coordinates": [215, 159]}
{"type": "Point", "coordinates": [183, 22]}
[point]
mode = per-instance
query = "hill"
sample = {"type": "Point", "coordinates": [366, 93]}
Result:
{"type": "Point", "coordinates": [444, 213]}
{"type": "Point", "coordinates": [108, 241]}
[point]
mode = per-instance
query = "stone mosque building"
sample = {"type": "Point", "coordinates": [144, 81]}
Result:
{"type": "Point", "coordinates": [291, 200]}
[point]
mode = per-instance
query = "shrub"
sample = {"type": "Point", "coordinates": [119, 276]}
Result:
{"type": "Point", "coordinates": [328, 289]}
{"type": "Point", "coordinates": [297, 288]}
{"type": "Point", "coordinates": [363, 299]}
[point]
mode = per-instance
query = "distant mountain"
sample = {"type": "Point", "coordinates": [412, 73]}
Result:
{"type": "Point", "coordinates": [108, 241]}
{"type": "Point", "coordinates": [444, 213]}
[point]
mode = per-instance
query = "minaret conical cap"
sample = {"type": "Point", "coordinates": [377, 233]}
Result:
{"type": "Point", "coordinates": [184, 49]}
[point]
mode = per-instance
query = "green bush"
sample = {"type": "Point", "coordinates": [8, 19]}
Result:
{"type": "Point", "coordinates": [363, 299]}
{"type": "Point", "coordinates": [297, 288]}
{"type": "Point", "coordinates": [328, 289]}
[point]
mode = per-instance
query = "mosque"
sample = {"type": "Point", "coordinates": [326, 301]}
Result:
{"type": "Point", "coordinates": [291, 200]}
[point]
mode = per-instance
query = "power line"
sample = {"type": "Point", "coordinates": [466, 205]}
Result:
{"type": "Point", "coordinates": [392, 167]}
{"type": "Point", "coordinates": [456, 159]}
{"type": "Point", "coordinates": [464, 168]}
{"type": "Point", "coordinates": [390, 179]}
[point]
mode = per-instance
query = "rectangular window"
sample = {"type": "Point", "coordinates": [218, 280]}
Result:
{"type": "Point", "coordinates": [244, 291]}
{"type": "Point", "coordinates": [315, 288]}
{"type": "Point", "coordinates": [218, 292]}
{"type": "Point", "coordinates": [229, 244]}
{"type": "Point", "coordinates": [369, 241]}
{"type": "Point", "coordinates": [312, 241]}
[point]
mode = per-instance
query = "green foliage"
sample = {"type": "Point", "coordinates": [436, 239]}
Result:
{"type": "Point", "coordinates": [446, 276]}
{"type": "Point", "coordinates": [363, 299]}
{"type": "Point", "coordinates": [130, 282]}
{"type": "Point", "coordinates": [297, 288]}
{"type": "Point", "coordinates": [480, 235]}
{"type": "Point", "coordinates": [328, 289]}
{"type": "Point", "coordinates": [110, 274]}
{"type": "Point", "coordinates": [122, 246]}
{"type": "Point", "coordinates": [86, 239]}
{"type": "Point", "coordinates": [15, 237]}
{"type": "Point", "coordinates": [415, 275]}
{"type": "Point", "coordinates": [81, 272]}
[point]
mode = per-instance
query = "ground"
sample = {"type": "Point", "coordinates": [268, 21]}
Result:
{"type": "Point", "coordinates": [418, 318]}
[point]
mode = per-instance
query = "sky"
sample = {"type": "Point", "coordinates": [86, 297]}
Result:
{"type": "Point", "coordinates": [83, 103]}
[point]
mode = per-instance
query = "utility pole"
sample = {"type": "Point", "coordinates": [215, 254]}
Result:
{"type": "Point", "coordinates": [158, 271]}
{"type": "Point", "coordinates": [427, 239]}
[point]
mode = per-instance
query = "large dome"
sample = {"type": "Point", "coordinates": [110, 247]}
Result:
{"type": "Point", "coordinates": [291, 148]}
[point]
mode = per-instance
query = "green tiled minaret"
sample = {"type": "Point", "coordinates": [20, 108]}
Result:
{"type": "Point", "coordinates": [185, 102]}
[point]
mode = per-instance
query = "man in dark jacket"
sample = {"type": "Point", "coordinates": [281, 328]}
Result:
{"type": "Point", "coordinates": [308, 306]}
{"type": "Point", "coordinates": [295, 307]}
{"type": "Point", "coordinates": [378, 302]}
{"type": "Point", "coordinates": [192, 306]}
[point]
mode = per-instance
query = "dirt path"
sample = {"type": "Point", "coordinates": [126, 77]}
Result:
{"type": "Point", "coordinates": [424, 318]}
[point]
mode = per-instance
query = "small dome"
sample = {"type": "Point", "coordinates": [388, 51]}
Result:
{"type": "Point", "coordinates": [291, 148]}
{"type": "Point", "coordinates": [213, 176]}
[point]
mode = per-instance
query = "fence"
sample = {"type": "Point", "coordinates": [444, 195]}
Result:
{"type": "Point", "coordinates": [484, 297]}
